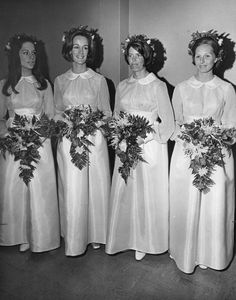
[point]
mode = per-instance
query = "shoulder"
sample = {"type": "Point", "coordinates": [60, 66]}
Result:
{"type": "Point", "coordinates": [62, 76]}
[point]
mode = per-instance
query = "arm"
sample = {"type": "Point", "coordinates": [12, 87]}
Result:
{"type": "Point", "coordinates": [103, 101]}
{"type": "Point", "coordinates": [229, 113]}
{"type": "Point", "coordinates": [164, 129]}
{"type": "Point", "coordinates": [178, 112]}
{"type": "Point", "coordinates": [48, 101]}
{"type": "Point", "coordinates": [117, 103]}
{"type": "Point", "coordinates": [3, 111]}
{"type": "Point", "coordinates": [58, 100]}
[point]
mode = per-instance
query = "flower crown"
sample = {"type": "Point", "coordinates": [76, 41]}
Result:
{"type": "Point", "coordinates": [136, 38]}
{"type": "Point", "coordinates": [212, 34]}
{"type": "Point", "coordinates": [83, 29]}
{"type": "Point", "coordinates": [11, 41]}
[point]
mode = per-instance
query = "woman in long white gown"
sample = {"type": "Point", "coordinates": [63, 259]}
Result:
{"type": "Point", "coordinates": [83, 194]}
{"type": "Point", "coordinates": [202, 225]}
{"type": "Point", "coordinates": [29, 214]}
{"type": "Point", "coordinates": [138, 213]}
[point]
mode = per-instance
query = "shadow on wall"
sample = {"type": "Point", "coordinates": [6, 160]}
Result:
{"type": "Point", "coordinates": [97, 49]}
{"type": "Point", "coordinates": [158, 64]}
{"type": "Point", "coordinates": [44, 66]}
{"type": "Point", "coordinates": [229, 56]}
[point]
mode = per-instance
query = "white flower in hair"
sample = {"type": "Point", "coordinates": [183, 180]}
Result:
{"type": "Point", "coordinates": [148, 42]}
{"type": "Point", "coordinates": [8, 46]}
{"type": "Point", "coordinates": [220, 41]}
{"type": "Point", "coordinates": [63, 38]}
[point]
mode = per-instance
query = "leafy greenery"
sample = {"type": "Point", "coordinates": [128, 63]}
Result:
{"type": "Point", "coordinates": [205, 143]}
{"type": "Point", "coordinates": [124, 133]}
{"type": "Point", "coordinates": [25, 136]}
{"type": "Point", "coordinates": [78, 125]}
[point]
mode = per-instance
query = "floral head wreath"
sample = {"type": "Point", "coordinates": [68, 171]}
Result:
{"type": "Point", "coordinates": [137, 38]}
{"type": "Point", "coordinates": [212, 34]}
{"type": "Point", "coordinates": [18, 37]}
{"type": "Point", "coordinates": [83, 29]}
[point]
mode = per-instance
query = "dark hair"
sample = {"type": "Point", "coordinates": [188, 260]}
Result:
{"type": "Point", "coordinates": [142, 48]}
{"type": "Point", "coordinates": [206, 41]}
{"type": "Point", "coordinates": [68, 42]}
{"type": "Point", "coordinates": [14, 65]}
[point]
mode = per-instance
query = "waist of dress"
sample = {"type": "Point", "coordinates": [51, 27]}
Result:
{"type": "Point", "coordinates": [29, 112]}
{"type": "Point", "coordinates": [189, 119]}
{"type": "Point", "coordinates": [149, 115]}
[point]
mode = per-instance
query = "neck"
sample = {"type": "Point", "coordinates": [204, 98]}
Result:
{"type": "Point", "coordinates": [140, 74]}
{"type": "Point", "coordinates": [76, 68]}
{"type": "Point", "coordinates": [26, 72]}
{"type": "Point", "coordinates": [204, 77]}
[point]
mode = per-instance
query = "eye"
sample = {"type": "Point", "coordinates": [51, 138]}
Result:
{"type": "Point", "coordinates": [85, 47]}
{"type": "Point", "coordinates": [75, 47]}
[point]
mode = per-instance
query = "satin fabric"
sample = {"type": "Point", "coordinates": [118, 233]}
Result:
{"type": "Point", "coordinates": [138, 211]}
{"type": "Point", "coordinates": [202, 225]}
{"type": "Point", "coordinates": [29, 214]}
{"type": "Point", "coordinates": [83, 194]}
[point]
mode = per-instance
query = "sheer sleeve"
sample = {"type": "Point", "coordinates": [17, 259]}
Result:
{"type": "Point", "coordinates": [178, 111]}
{"type": "Point", "coordinates": [229, 113]}
{"type": "Point", "coordinates": [3, 110]}
{"type": "Point", "coordinates": [165, 113]}
{"type": "Point", "coordinates": [48, 101]}
{"type": "Point", "coordinates": [58, 99]}
{"type": "Point", "coordinates": [103, 101]}
{"type": "Point", "coordinates": [117, 102]}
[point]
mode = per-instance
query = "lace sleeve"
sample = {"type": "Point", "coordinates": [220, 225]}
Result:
{"type": "Point", "coordinates": [3, 111]}
{"type": "Point", "coordinates": [103, 101]}
{"type": "Point", "coordinates": [178, 111]}
{"type": "Point", "coordinates": [165, 112]}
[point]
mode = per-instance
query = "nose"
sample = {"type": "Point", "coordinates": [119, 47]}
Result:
{"type": "Point", "coordinates": [202, 59]}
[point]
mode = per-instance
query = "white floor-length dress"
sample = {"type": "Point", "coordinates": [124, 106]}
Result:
{"type": "Point", "coordinates": [83, 194]}
{"type": "Point", "coordinates": [202, 225]}
{"type": "Point", "coordinates": [138, 213]}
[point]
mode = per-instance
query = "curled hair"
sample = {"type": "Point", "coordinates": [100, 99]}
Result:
{"type": "Point", "coordinates": [67, 40]}
{"type": "Point", "coordinates": [142, 48]}
{"type": "Point", "coordinates": [211, 38]}
{"type": "Point", "coordinates": [208, 41]}
{"type": "Point", "coordinates": [14, 65]}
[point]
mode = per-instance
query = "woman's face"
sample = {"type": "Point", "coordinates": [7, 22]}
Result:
{"type": "Point", "coordinates": [205, 58]}
{"type": "Point", "coordinates": [136, 60]}
{"type": "Point", "coordinates": [27, 55]}
{"type": "Point", "coordinates": [80, 49]}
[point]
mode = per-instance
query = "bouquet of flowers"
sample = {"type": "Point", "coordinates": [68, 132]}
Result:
{"type": "Point", "coordinates": [77, 125]}
{"type": "Point", "coordinates": [25, 137]}
{"type": "Point", "coordinates": [204, 142]}
{"type": "Point", "coordinates": [124, 133]}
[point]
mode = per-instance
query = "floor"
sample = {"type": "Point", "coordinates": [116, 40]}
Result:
{"type": "Point", "coordinates": [96, 275]}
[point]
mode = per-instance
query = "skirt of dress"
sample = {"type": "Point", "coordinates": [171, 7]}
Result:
{"type": "Point", "coordinates": [30, 214]}
{"type": "Point", "coordinates": [83, 196]}
{"type": "Point", "coordinates": [138, 213]}
{"type": "Point", "coordinates": [201, 225]}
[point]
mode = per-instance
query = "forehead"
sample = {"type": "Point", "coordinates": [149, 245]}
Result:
{"type": "Point", "coordinates": [28, 46]}
{"type": "Point", "coordinates": [204, 48]}
{"type": "Point", "coordinates": [81, 40]}
{"type": "Point", "coordinates": [133, 51]}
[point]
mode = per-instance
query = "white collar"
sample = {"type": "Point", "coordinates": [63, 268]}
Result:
{"type": "Point", "coordinates": [213, 83]}
{"type": "Point", "coordinates": [85, 75]}
{"type": "Point", "coordinates": [30, 79]}
{"type": "Point", "coordinates": [146, 80]}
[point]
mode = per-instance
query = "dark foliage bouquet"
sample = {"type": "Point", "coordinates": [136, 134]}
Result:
{"type": "Point", "coordinates": [78, 125]}
{"type": "Point", "coordinates": [124, 133]}
{"type": "Point", "coordinates": [25, 136]}
{"type": "Point", "coordinates": [205, 143]}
